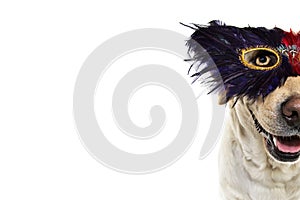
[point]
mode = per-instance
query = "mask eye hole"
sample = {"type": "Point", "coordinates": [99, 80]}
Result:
{"type": "Point", "coordinates": [260, 58]}
{"type": "Point", "coordinates": [263, 60]}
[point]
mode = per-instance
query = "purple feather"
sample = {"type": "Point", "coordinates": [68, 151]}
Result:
{"type": "Point", "coordinates": [223, 43]}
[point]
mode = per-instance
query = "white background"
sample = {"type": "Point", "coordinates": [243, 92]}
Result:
{"type": "Point", "coordinates": [42, 47]}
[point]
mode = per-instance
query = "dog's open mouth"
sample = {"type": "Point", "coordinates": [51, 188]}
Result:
{"type": "Point", "coordinates": [284, 149]}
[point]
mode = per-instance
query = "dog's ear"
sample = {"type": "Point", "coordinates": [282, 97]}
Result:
{"type": "Point", "coordinates": [222, 98]}
{"type": "Point", "coordinates": [219, 54]}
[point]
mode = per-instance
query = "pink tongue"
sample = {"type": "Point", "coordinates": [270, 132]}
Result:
{"type": "Point", "coordinates": [288, 146]}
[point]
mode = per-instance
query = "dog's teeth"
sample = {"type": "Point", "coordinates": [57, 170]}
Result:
{"type": "Point", "coordinates": [275, 141]}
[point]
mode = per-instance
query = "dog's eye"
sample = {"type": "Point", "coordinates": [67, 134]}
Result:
{"type": "Point", "coordinates": [260, 58]}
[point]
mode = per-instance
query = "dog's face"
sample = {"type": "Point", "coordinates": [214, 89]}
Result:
{"type": "Point", "coordinates": [277, 119]}
{"type": "Point", "coordinates": [260, 67]}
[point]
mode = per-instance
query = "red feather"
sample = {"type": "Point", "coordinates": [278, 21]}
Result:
{"type": "Point", "coordinates": [292, 42]}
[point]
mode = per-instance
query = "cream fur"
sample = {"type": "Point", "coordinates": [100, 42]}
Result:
{"type": "Point", "coordinates": [247, 171]}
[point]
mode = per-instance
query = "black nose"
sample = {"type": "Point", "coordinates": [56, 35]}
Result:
{"type": "Point", "coordinates": [291, 111]}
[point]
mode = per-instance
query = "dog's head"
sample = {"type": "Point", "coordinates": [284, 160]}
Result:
{"type": "Point", "coordinates": [260, 67]}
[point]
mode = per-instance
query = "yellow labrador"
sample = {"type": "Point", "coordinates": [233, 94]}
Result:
{"type": "Point", "coordinates": [256, 71]}
{"type": "Point", "coordinates": [259, 156]}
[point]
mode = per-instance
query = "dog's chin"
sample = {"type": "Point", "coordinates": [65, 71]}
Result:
{"type": "Point", "coordinates": [284, 149]}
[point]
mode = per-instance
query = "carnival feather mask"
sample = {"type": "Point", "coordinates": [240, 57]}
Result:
{"type": "Point", "coordinates": [240, 62]}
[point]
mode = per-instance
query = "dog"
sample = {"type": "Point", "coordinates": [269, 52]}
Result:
{"type": "Point", "coordinates": [254, 159]}
{"type": "Point", "coordinates": [256, 73]}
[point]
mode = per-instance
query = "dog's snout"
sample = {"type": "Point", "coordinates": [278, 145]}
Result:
{"type": "Point", "coordinates": [291, 111]}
